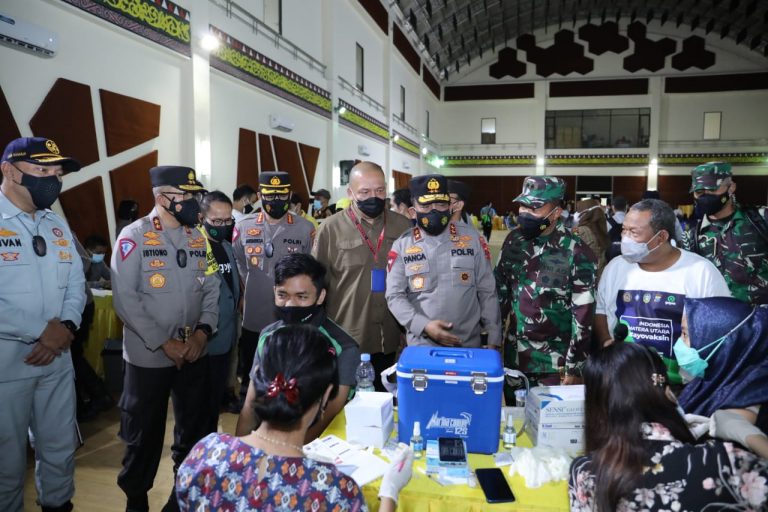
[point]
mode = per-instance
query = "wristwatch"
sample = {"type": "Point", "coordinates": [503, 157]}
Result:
{"type": "Point", "coordinates": [206, 330]}
{"type": "Point", "coordinates": [69, 324]}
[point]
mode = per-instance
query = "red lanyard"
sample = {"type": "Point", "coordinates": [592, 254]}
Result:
{"type": "Point", "coordinates": [365, 238]}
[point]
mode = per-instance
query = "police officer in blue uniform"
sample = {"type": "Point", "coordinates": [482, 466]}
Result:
{"type": "Point", "coordinates": [169, 307]}
{"type": "Point", "coordinates": [42, 296]}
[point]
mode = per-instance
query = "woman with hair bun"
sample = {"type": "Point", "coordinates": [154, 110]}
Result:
{"type": "Point", "coordinates": [640, 453]}
{"type": "Point", "coordinates": [267, 469]}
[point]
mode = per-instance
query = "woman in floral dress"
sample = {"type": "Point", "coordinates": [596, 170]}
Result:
{"type": "Point", "coordinates": [640, 453]}
{"type": "Point", "coordinates": [266, 470]}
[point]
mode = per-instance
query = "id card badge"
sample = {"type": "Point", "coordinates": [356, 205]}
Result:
{"type": "Point", "coordinates": [378, 280]}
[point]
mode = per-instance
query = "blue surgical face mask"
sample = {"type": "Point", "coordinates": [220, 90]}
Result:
{"type": "Point", "coordinates": [97, 258]}
{"type": "Point", "coordinates": [316, 205]}
{"type": "Point", "coordinates": [689, 359]}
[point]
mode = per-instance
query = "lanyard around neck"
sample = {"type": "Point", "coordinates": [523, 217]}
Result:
{"type": "Point", "coordinates": [364, 236]}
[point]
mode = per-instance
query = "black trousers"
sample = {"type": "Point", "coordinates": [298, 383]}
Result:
{"type": "Point", "coordinates": [249, 340]}
{"type": "Point", "coordinates": [219, 365]}
{"type": "Point", "coordinates": [487, 233]}
{"type": "Point", "coordinates": [144, 408]}
{"type": "Point", "coordinates": [88, 385]}
{"type": "Point", "coordinates": [381, 362]}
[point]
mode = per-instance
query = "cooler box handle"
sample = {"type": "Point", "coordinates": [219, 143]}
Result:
{"type": "Point", "coordinates": [442, 352]}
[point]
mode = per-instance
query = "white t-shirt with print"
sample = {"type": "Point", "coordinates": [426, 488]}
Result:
{"type": "Point", "coordinates": [651, 303]}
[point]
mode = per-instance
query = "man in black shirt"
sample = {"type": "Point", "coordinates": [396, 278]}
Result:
{"type": "Point", "coordinates": [216, 209]}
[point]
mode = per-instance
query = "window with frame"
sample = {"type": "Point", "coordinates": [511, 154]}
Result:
{"type": "Point", "coordinates": [598, 128]}
{"type": "Point", "coordinates": [488, 130]}
{"type": "Point", "coordinates": [359, 67]}
{"type": "Point", "coordinates": [402, 103]}
{"type": "Point", "coordinates": [426, 128]}
{"type": "Point", "coordinates": [273, 15]}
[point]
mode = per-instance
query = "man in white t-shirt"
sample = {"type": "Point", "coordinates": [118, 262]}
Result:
{"type": "Point", "coordinates": [645, 289]}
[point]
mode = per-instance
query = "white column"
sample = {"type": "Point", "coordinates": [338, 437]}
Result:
{"type": "Point", "coordinates": [327, 176]}
{"type": "Point", "coordinates": [540, 91]}
{"type": "Point", "coordinates": [201, 94]}
{"type": "Point", "coordinates": [386, 61]}
{"type": "Point", "coordinates": [655, 90]}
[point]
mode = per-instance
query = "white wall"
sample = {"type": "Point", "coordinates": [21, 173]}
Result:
{"type": "Point", "coordinates": [236, 104]}
{"type": "Point", "coordinates": [459, 122]}
{"type": "Point", "coordinates": [94, 53]}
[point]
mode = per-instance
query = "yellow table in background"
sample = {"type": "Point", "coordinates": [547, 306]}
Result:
{"type": "Point", "coordinates": [106, 325]}
{"type": "Point", "coordinates": [425, 494]}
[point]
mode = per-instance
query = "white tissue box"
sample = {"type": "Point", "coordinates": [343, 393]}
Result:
{"type": "Point", "coordinates": [369, 409]}
{"type": "Point", "coordinates": [555, 416]}
{"type": "Point", "coordinates": [371, 435]}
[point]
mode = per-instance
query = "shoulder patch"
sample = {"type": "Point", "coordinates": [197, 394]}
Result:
{"type": "Point", "coordinates": [391, 258]}
{"type": "Point", "coordinates": [126, 247]}
{"type": "Point", "coordinates": [57, 232]}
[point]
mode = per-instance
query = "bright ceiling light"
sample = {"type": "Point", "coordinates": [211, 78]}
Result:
{"type": "Point", "coordinates": [209, 42]}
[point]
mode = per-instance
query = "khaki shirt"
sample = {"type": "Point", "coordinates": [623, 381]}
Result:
{"type": "Point", "coordinates": [291, 234]}
{"type": "Point", "coordinates": [349, 261]}
{"type": "Point", "coordinates": [445, 277]}
{"type": "Point", "coordinates": [153, 294]}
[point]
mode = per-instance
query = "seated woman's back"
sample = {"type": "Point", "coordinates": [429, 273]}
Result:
{"type": "Point", "coordinates": [681, 476]}
{"type": "Point", "coordinates": [222, 472]}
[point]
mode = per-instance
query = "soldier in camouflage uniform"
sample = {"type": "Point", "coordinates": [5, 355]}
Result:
{"type": "Point", "coordinates": [545, 280]}
{"type": "Point", "coordinates": [732, 237]}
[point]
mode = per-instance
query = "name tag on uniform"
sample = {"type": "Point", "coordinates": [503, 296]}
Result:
{"type": "Point", "coordinates": [378, 280]}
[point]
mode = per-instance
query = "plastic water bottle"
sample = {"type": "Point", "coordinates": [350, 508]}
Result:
{"type": "Point", "coordinates": [364, 374]}
{"type": "Point", "coordinates": [417, 442]}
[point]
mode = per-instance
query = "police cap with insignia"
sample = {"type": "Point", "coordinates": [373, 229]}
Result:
{"type": "Point", "coordinates": [40, 151]}
{"type": "Point", "coordinates": [182, 178]}
{"type": "Point", "coordinates": [274, 183]}
{"type": "Point", "coordinates": [540, 190]}
{"type": "Point", "coordinates": [432, 188]}
{"type": "Point", "coordinates": [459, 188]}
{"type": "Point", "coordinates": [709, 176]}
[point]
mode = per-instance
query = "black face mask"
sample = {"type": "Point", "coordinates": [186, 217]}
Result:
{"type": "Point", "coordinates": [189, 214]}
{"type": "Point", "coordinates": [275, 208]}
{"type": "Point", "coordinates": [433, 222]}
{"type": "Point", "coordinates": [532, 226]}
{"type": "Point", "coordinates": [710, 204]}
{"type": "Point", "coordinates": [43, 191]}
{"type": "Point", "coordinates": [297, 314]}
{"type": "Point", "coordinates": [219, 233]}
{"type": "Point", "coordinates": [248, 209]}
{"type": "Point", "coordinates": [371, 207]}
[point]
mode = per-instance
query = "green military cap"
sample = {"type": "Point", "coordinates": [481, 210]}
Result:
{"type": "Point", "coordinates": [274, 183]}
{"type": "Point", "coordinates": [540, 190]}
{"type": "Point", "coordinates": [709, 176]}
{"type": "Point", "coordinates": [428, 189]}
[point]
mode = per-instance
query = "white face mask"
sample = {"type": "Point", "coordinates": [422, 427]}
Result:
{"type": "Point", "coordinates": [636, 252]}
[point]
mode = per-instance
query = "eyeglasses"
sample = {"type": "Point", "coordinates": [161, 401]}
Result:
{"type": "Point", "coordinates": [220, 222]}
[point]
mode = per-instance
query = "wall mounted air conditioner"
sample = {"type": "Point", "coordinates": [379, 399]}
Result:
{"type": "Point", "coordinates": [281, 123]}
{"type": "Point", "coordinates": [28, 36]}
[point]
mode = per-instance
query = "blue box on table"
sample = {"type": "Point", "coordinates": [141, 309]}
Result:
{"type": "Point", "coordinates": [452, 392]}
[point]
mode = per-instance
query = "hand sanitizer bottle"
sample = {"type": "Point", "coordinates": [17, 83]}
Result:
{"type": "Point", "coordinates": [417, 442]}
{"type": "Point", "coordinates": [509, 437]}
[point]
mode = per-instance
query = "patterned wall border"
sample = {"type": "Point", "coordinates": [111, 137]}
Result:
{"type": "Point", "coordinates": [688, 159]}
{"type": "Point", "coordinates": [359, 121]}
{"type": "Point", "coordinates": [160, 21]}
{"type": "Point", "coordinates": [575, 160]}
{"type": "Point", "coordinates": [490, 161]}
{"type": "Point", "coordinates": [241, 61]}
{"type": "Point", "coordinates": [407, 145]}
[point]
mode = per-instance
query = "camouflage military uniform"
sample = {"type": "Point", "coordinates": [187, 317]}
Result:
{"type": "Point", "coordinates": [732, 244]}
{"type": "Point", "coordinates": [737, 250]}
{"type": "Point", "coordinates": [547, 287]}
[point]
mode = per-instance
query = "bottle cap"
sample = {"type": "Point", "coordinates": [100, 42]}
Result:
{"type": "Point", "coordinates": [365, 357]}
{"type": "Point", "coordinates": [416, 428]}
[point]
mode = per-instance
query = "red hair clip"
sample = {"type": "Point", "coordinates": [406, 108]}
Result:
{"type": "Point", "coordinates": [288, 388]}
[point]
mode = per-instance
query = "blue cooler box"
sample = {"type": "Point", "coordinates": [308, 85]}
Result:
{"type": "Point", "coordinates": [452, 392]}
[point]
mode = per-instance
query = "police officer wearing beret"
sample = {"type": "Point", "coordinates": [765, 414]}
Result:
{"type": "Point", "coordinates": [259, 241]}
{"type": "Point", "coordinates": [440, 283]}
{"type": "Point", "coordinates": [733, 237]}
{"type": "Point", "coordinates": [42, 297]}
{"type": "Point", "coordinates": [168, 306]}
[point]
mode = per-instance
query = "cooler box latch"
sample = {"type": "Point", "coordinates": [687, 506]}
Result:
{"type": "Point", "coordinates": [479, 383]}
{"type": "Point", "coordinates": [419, 380]}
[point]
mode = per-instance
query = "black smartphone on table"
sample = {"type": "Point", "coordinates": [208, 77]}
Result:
{"type": "Point", "coordinates": [494, 485]}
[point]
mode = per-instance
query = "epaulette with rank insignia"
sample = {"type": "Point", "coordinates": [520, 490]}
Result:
{"type": "Point", "coordinates": [260, 218]}
{"type": "Point", "coordinates": [454, 234]}
{"type": "Point", "coordinates": [156, 224]}
{"type": "Point", "coordinates": [417, 234]}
